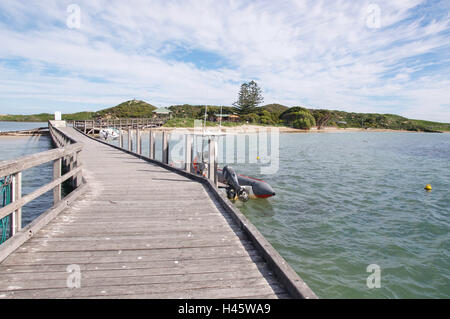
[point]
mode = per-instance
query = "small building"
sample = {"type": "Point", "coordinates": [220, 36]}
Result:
{"type": "Point", "coordinates": [162, 112]}
{"type": "Point", "coordinates": [342, 122]}
{"type": "Point", "coordinates": [227, 117]}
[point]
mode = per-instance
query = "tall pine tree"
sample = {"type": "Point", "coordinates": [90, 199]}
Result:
{"type": "Point", "coordinates": [249, 98]}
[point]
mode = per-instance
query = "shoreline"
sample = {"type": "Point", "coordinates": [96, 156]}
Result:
{"type": "Point", "coordinates": [282, 129]}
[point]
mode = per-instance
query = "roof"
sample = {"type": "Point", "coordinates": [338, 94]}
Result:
{"type": "Point", "coordinates": [226, 115]}
{"type": "Point", "coordinates": [162, 110]}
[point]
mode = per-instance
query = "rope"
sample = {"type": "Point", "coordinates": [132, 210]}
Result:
{"type": "Point", "coordinates": [5, 199]}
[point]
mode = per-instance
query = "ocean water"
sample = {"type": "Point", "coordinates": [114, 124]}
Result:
{"type": "Point", "coordinates": [17, 126]}
{"type": "Point", "coordinates": [349, 200]}
{"type": "Point", "coordinates": [12, 147]}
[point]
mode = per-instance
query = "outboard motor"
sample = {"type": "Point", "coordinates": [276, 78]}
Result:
{"type": "Point", "coordinates": [233, 187]}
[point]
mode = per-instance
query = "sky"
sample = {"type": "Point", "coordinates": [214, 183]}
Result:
{"type": "Point", "coordinates": [357, 56]}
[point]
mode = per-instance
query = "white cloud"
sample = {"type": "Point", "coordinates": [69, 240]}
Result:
{"type": "Point", "coordinates": [318, 53]}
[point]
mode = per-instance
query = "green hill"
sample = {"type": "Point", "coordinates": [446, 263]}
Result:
{"type": "Point", "coordinates": [275, 108]}
{"type": "Point", "coordinates": [381, 121]}
{"type": "Point", "coordinates": [128, 109]}
{"type": "Point", "coordinates": [270, 114]}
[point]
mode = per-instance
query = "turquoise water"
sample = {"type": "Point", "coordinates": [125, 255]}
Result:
{"type": "Point", "coordinates": [33, 178]}
{"type": "Point", "coordinates": [348, 200]}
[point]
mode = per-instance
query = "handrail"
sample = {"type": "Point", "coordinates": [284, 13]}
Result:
{"type": "Point", "coordinates": [88, 126]}
{"type": "Point", "coordinates": [20, 164]}
{"type": "Point", "coordinates": [67, 155]}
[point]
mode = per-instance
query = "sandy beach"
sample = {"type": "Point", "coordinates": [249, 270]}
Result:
{"type": "Point", "coordinates": [282, 129]}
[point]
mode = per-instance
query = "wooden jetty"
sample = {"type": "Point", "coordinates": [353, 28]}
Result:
{"type": "Point", "coordinates": [31, 132]}
{"type": "Point", "coordinates": [133, 227]}
{"type": "Point", "coordinates": [92, 127]}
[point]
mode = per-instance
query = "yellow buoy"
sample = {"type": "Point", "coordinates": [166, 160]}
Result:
{"type": "Point", "coordinates": [428, 187]}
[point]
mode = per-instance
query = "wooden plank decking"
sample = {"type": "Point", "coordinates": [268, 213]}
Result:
{"type": "Point", "coordinates": [140, 231]}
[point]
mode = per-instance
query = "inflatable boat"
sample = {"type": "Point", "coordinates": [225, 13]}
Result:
{"type": "Point", "coordinates": [244, 187]}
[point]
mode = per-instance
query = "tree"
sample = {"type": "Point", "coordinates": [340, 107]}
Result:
{"type": "Point", "coordinates": [298, 117]}
{"type": "Point", "coordinates": [304, 120]}
{"type": "Point", "coordinates": [249, 98]}
{"type": "Point", "coordinates": [322, 117]}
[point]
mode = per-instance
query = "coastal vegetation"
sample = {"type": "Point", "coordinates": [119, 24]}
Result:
{"type": "Point", "coordinates": [270, 114]}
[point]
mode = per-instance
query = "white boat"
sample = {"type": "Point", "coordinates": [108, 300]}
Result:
{"type": "Point", "coordinates": [109, 132]}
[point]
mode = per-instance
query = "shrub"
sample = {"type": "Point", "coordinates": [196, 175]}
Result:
{"type": "Point", "coordinates": [304, 120]}
{"type": "Point", "coordinates": [251, 118]}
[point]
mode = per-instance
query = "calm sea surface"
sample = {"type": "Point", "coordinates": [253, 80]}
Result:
{"type": "Point", "coordinates": [348, 200]}
{"type": "Point", "coordinates": [14, 147]}
{"type": "Point", "coordinates": [345, 201]}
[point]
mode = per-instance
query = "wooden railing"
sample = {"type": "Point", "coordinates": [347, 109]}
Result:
{"type": "Point", "coordinates": [67, 154]}
{"type": "Point", "coordinates": [91, 126]}
{"type": "Point", "coordinates": [135, 142]}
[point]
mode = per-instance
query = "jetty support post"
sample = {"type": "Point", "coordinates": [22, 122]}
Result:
{"type": "Point", "coordinates": [151, 144]}
{"type": "Point", "coordinates": [129, 138]}
{"type": "Point", "coordinates": [212, 163]}
{"type": "Point", "coordinates": [16, 194]}
{"type": "Point", "coordinates": [188, 154]}
{"type": "Point", "coordinates": [138, 141]}
{"type": "Point", "coordinates": [165, 147]}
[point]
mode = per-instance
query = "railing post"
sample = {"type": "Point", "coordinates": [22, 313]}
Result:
{"type": "Point", "coordinates": [188, 154]}
{"type": "Point", "coordinates": [85, 128]}
{"type": "Point", "coordinates": [212, 163]}
{"type": "Point", "coordinates": [165, 147]}
{"type": "Point", "coordinates": [138, 141]}
{"type": "Point", "coordinates": [78, 178]}
{"type": "Point", "coordinates": [129, 138]}
{"type": "Point", "coordinates": [151, 144]}
{"type": "Point", "coordinates": [120, 137]}
{"type": "Point", "coordinates": [56, 174]}
{"type": "Point", "coordinates": [16, 194]}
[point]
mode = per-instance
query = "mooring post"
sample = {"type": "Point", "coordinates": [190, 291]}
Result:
{"type": "Point", "coordinates": [138, 141]}
{"type": "Point", "coordinates": [165, 147]}
{"type": "Point", "coordinates": [57, 174]}
{"type": "Point", "coordinates": [188, 154]}
{"type": "Point", "coordinates": [16, 194]}
{"type": "Point", "coordinates": [129, 138]}
{"type": "Point", "coordinates": [212, 163]}
{"type": "Point", "coordinates": [151, 144]}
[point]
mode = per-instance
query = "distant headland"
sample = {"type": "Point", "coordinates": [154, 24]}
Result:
{"type": "Point", "coordinates": [297, 117]}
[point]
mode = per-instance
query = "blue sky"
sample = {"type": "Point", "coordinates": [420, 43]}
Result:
{"type": "Point", "coordinates": [360, 56]}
